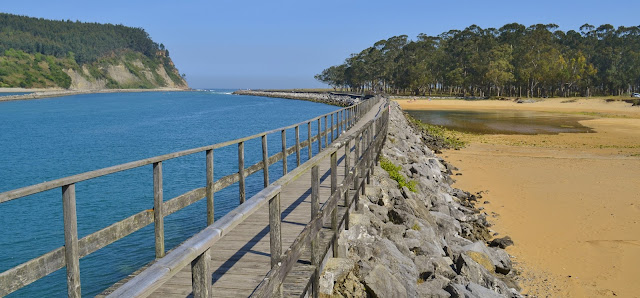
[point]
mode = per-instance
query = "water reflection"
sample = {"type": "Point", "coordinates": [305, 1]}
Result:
{"type": "Point", "coordinates": [503, 122]}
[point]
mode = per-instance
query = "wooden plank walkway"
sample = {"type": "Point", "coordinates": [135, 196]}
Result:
{"type": "Point", "coordinates": [241, 259]}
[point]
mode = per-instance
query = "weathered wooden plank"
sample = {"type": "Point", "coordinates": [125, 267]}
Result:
{"type": "Point", "coordinates": [275, 231]}
{"type": "Point", "coordinates": [158, 217]}
{"type": "Point", "coordinates": [265, 161]}
{"type": "Point", "coordinates": [201, 275]}
{"type": "Point", "coordinates": [28, 272]}
{"type": "Point", "coordinates": [72, 258]}
{"type": "Point", "coordinates": [284, 151]}
{"type": "Point", "coordinates": [332, 127]}
{"type": "Point", "coordinates": [325, 131]}
{"type": "Point", "coordinates": [309, 139]}
{"type": "Point", "coordinates": [241, 175]}
{"type": "Point", "coordinates": [153, 277]}
{"type": "Point", "coordinates": [319, 137]}
{"type": "Point", "coordinates": [183, 200]}
{"type": "Point", "coordinates": [297, 145]}
{"type": "Point", "coordinates": [315, 257]}
{"type": "Point", "coordinates": [114, 232]}
{"type": "Point", "coordinates": [209, 190]}
{"type": "Point", "coordinates": [334, 212]}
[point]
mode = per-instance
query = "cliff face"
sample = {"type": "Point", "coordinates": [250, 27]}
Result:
{"type": "Point", "coordinates": [125, 72]}
{"type": "Point", "coordinates": [415, 235]}
{"type": "Point", "coordinates": [40, 53]}
{"type": "Point", "coordinates": [124, 69]}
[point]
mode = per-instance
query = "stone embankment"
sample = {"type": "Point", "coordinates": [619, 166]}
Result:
{"type": "Point", "coordinates": [342, 100]}
{"type": "Point", "coordinates": [425, 240]}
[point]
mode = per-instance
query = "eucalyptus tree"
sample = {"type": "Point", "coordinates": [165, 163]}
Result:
{"type": "Point", "coordinates": [538, 60]}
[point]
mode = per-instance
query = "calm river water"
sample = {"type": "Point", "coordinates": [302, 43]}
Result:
{"type": "Point", "coordinates": [46, 139]}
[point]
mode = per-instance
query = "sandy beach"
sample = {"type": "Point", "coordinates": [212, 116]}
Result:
{"type": "Point", "coordinates": [37, 93]}
{"type": "Point", "coordinates": [570, 202]}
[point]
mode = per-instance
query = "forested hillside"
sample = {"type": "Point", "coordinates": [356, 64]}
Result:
{"type": "Point", "coordinates": [46, 53]}
{"type": "Point", "coordinates": [513, 60]}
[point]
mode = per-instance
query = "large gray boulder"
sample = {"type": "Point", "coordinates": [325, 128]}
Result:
{"type": "Point", "coordinates": [380, 282]}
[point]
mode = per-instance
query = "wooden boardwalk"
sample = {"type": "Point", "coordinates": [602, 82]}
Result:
{"type": "Point", "coordinates": [241, 259]}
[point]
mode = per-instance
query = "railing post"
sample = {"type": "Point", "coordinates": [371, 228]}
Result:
{"type": "Point", "coordinates": [332, 128]}
{"type": "Point", "coordinates": [347, 171]}
{"type": "Point", "coordinates": [210, 206]}
{"type": "Point", "coordinates": [283, 134]}
{"type": "Point", "coordinates": [369, 163]}
{"type": "Point", "coordinates": [297, 145]}
{"type": "Point", "coordinates": [158, 215]}
{"type": "Point", "coordinates": [346, 119]}
{"type": "Point", "coordinates": [356, 182]}
{"type": "Point", "coordinates": [338, 123]}
{"type": "Point", "coordinates": [353, 116]}
{"type": "Point", "coordinates": [309, 138]}
{"type": "Point", "coordinates": [334, 212]}
{"type": "Point", "coordinates": [347, 207]}
{"type": "Point", "coordinates": [72, 259]}
{"type": "Point", "coordinates": [265, 161]}
{"type": "Point", "coordinates": [373, 152]}
{"type": "Point", "coordinates": [241, 171]}
{"type": "Point", "coordinates": [364, 152]}
{"type": "Point", "coordinates": [342, 124]}
{"type": "Point", "coordinates": [319, 136]}
{"type": "Point", "coordinates": [315, 258]}
{"type": "Point", "coordinates": [275, 234]}
{"type": "Point", "coordinates": [347, 157]}
{"type": "Point", "coordinates": [326, 133]}
{"type": "Point", "coordinates": [201, 279]}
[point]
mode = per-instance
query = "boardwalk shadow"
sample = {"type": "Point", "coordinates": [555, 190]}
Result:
{"type": "Point", "coordinates": [248, 247]}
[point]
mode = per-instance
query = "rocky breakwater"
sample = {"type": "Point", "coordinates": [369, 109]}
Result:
{"type": "Point", "coordinates": [414, 235]}
{"type": "Point", "coordinates": [342, 100]}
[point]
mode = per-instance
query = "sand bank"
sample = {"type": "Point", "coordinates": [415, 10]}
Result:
{"type": "Point", "coordinates": [571, 202]}
{"type": "Point", "coordinates": [38, 93]}
{"type": "Point", "coordinates": [592, 106]}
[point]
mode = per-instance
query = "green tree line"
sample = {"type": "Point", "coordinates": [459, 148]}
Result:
{"type": "Point", "coordinates": [87, 41]}
{"type": "Point", "coordinates": [38, 52]}
{"type": "Point", "coordinates": [514, 60]}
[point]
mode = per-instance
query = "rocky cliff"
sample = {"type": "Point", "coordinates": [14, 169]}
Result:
{"type": "Point", "coordinates": [425, 239]}
{"type": "Point", "coordinates": [126, 71]}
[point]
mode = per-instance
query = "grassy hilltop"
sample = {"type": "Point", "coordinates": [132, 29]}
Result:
{"type": "Point", "coordinates": [39, 53]}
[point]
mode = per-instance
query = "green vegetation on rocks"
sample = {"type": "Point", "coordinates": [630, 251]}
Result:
{"type": "Point", "coordinates": [394, 173]}
{"type": "Point", "coordinates": [449, 139]}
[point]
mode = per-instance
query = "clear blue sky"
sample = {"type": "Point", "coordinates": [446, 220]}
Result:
{"type": "Point", "coordinates": [282, 44]}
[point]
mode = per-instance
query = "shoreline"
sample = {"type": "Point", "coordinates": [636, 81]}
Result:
{"type": "Point", "coordinates": [592, 106]}
{"type": "Point", "coordinates": [569, 201]}
{"type": "Point", "coordinates": [39, 93]}
{"type": "Point", "coordinates": [413, 234]}
{"type": "Point", "coordinates": [339, 99]}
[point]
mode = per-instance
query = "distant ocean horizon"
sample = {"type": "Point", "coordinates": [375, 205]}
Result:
{"type": "Point", "coordinates": [47, 139]}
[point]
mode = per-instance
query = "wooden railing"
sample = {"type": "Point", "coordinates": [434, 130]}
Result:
{"type": "Point", "coordinates": [368, 141]}
{"type": "Point", "coordinates": [74, 249]}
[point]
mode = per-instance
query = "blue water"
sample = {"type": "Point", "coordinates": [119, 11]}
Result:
{"type": "Point", "coordinates": [42, 140]}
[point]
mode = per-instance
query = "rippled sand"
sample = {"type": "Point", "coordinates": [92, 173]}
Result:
{"type": "Point", "coordinates": [571, 202]}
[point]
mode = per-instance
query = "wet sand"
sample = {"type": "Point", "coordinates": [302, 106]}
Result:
{"type": "Point", "coordinates": [571, 202]}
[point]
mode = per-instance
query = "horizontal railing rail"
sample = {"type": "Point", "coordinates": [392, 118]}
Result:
{"type": "Point", "coordinates": [197, 250]}
{"type": "Point", "coordinates": [68, 255]}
